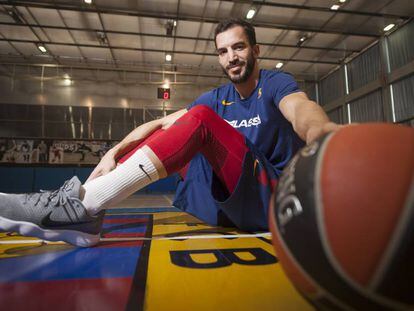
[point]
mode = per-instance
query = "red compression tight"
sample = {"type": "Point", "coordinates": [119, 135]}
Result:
{"type": "Point", "coordinates": [199, 130]}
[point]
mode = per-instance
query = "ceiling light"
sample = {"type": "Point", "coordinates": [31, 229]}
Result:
{"type": "Point", "coordinates": [169, 27]}
{"type": "Point", "coordinates": [251, 13]}
{"type": "Point", "coordinates": [279, 65]}
{"type": "Point", "coordinates": [342, 1]}
{"type": "Point", "coordinates": [67, 82]}
{"type": "Point", "coordinates": [389, 27]}
{"type": "Point", "coordinates": [301, 40]}
{"type": "Point", "coordinates": [335, 7]}
{"type": "Point", "coordinates": [13, 13]}
{"type": "Point", "coordinates": [87, 1]}
{"type": "Point", "coordinates": [102, 38]}
{"type": "Point", "coordinates": [168, 57]}
{"type": "Point", "coordinates": [42, 48]}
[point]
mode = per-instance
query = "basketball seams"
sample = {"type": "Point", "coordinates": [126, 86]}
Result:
{"type": "Point", "coordinates": [324, 239]}
{"type": "Point", "coordinates": [392, 248]}
{"type": "Point", "coordinates": [322, 291]}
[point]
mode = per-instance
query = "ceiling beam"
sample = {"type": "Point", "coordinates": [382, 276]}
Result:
{"type": "Point", "coordinates": [107, 68]}
{"type": "Point", "coordinates": [163, 51]}
{"type": "Point", "coordinates": [131, 33]}
{"type": "Point", "coordinates": [77, 6]}
{"type": "Point", "coordinates": [320, 9]}
{"type": "Point", "coordinates": [125, 69]}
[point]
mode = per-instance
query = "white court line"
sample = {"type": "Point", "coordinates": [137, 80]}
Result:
{"type": "Point", "coordinates": [192, 237]}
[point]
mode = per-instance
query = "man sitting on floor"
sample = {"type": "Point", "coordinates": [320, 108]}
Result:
{"type": "Point", "coordinates": [230, 145]}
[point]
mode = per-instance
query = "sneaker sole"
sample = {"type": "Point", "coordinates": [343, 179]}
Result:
{"type": "Point", "coordinates": [29, 229]}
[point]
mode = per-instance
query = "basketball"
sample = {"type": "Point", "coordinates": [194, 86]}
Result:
{"type": "Point", "coordinates": [342, 219]}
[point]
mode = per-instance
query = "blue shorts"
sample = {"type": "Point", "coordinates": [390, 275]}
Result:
{"type": "Point", "coordinates": [203, 195]}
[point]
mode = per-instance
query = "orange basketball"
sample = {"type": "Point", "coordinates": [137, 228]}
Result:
{"type": "Point", "coordinates": [342, 219]}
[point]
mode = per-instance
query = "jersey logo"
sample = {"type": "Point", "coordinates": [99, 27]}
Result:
{"type": "Point", "coordinates": [255, 121]}
{"type": "Point", "coordinates": [224, 103]}
{"type": "Point", "coordinates": [259, 93]}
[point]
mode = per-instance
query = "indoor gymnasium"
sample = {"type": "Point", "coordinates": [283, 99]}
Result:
{"type": "Point", "coordinates": [206, 155]}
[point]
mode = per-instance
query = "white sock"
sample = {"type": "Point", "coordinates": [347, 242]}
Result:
{"type": "Point", "coordinates": [132, 175]}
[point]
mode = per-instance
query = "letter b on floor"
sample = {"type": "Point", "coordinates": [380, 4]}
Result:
{"type": "Point", "coordinates": [223, 257]}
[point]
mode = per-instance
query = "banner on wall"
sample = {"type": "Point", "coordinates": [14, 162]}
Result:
{"type": "Point", "coordinates": [53, 151]}
{"type": "Point", "coordinates": [78, 152]}
{"type": "Point", "coordinates": [16, 150]}
{"type": "Point", "coordinates": [41, 151]}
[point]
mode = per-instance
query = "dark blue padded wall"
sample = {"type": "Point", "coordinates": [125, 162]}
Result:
{"type": "Point", "coordinates": [16, 179]}
{"type": "Point", "coordinates": [33, 179]}
{"type": "Point", "coordinates": [50, 178]}
{"type": "Point", "coordinates": [83, 173]}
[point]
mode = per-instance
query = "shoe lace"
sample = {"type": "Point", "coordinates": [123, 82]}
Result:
{"type": "Point", "coordinates": [44, 196]}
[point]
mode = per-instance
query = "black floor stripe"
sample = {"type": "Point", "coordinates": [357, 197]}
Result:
{"type": "Point", "coordinates": [136, 297]}
{"type": "Point", "coordinates": [265, 240]}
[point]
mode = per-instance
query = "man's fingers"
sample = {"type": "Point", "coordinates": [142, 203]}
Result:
{"type": "Point", "coordinates": [105, 171]}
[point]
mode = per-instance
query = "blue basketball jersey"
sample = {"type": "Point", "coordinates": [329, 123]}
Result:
{"type": "Point", "coordinates": [259, 119]}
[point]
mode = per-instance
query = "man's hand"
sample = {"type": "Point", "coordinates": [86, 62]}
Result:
{"type": "Point", "coordinates": [315, 132]}
{"type": "Point", "coordinates": [106, 165]}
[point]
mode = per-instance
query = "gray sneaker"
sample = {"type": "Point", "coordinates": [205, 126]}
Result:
{"type": "Point", "coordinates": [53, 216]}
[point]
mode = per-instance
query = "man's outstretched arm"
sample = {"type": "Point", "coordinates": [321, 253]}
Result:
{"type": "Point", "coordinates": [108, 161]}
{"type": "Point", "coordinates": [307, 117]}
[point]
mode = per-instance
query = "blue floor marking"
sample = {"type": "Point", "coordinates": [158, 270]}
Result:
{"type": "Point", "coordinates": [78, 263]}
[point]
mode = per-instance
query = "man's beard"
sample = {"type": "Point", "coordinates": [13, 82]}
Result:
{"type": "Point", "coordinates": [244, 76]}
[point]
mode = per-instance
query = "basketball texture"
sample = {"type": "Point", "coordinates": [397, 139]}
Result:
{"type": "Point", "coordinates": [342, 219]}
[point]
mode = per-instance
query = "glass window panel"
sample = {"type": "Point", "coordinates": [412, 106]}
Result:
{"type": "Point", "coordinates": [118, 115]}
{"type": "Point", "coordinates": [57, 113]}
{"type": "Point", "coordinates": [100, 130]}
{"type": "Point", "coordinates": [66, 113]}
{"type": "Point", "coordinates": [133, 116]}
{"type": "Point", "coordinates": [129, 127]}
{"type": "Point", "coordinates": [20, 112]}
{"type": "Point", "coordinates": [138, 117]}
{"type": "Point", "coordinates": [80, 114]}
{"type": "Point", "coordinates": [101, 115]}
{"type": "Point", "coordinates": [153, 114]}
{"type": "Point", "coordinates": [129, 115]}
{"type": "Point", "coordinates": [20, 129]}
{"type": "Point", "coordinates": [66, 130]}
{"type": "Point", "coordinates": [117, 131]}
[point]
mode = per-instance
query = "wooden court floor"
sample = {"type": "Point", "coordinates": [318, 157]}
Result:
{"type": "Point", "coordinates": [151, 257]}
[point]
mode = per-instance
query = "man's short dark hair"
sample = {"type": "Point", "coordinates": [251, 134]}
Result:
{"type": "Point", "coordinates": [234, 22]}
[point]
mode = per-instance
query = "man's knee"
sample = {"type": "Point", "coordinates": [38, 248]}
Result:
{"type": "Point", "coordinates": [203, 112]}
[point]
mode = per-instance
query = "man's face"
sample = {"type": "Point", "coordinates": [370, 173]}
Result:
{"type": "Point", "coordinates": [237, 57]}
